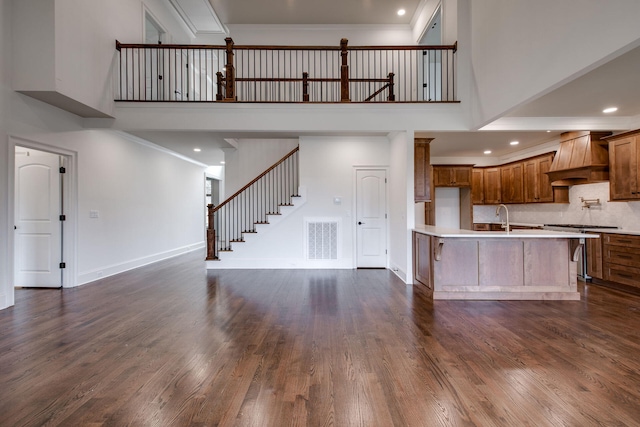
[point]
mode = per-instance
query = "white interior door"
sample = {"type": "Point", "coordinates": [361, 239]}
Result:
{"type": "Point", "coordinates": [38, 238]}
{"type": "Point", "coordinates": [371, 218]}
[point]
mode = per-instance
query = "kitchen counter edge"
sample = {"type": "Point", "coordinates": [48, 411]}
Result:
{"type": "Point", "coordinates": [517, 234]}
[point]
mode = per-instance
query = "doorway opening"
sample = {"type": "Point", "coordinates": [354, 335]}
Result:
{"type": "Point", "coordinates": [371, 218]}
{"type": "Point", "coordinates": [38, 219]}
{"type": "Point", "coordinates": [153, 32]}
{"type": "Point", "coordinates": [43, 199]}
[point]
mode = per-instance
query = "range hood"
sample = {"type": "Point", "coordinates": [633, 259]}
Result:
{"type": "Point", "coordinates": [583, 158]}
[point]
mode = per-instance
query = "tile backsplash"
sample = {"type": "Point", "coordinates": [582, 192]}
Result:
{"type": "Point", "coordinates": [625, 215]}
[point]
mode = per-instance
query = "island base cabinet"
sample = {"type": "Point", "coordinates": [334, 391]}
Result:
{"type": "Point", "coordinates": [423, 260]}
{"type": "Point", "coordinates": [543, 267]}
{"type": "Point", "coordinates": [499, 269]}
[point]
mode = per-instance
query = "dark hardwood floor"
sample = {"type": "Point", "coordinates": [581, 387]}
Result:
{"type": "Point", "coordinates": [174, 345]}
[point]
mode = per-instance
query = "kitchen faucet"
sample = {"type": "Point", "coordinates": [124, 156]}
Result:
{"type": "Point", "coordinates": [505, 226]}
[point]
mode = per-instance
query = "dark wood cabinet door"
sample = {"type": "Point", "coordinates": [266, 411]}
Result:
{"type": "Point", "coordinates": [477, 186]}
{"type": "Point", "coordinates": [422, 170]}
{"type": "Point", "coordinates": [531, 192]}
{"type": "Point", "coordinates": [517, 183]}
{"type": "Point", "coordinates": [461, 176]}
{"type": "Point", "coordinates": [545, 190]}
{"type": "Point", "coordinates": [537, 186]}
{"type": "Point", "coordinates": [442, 176]}
{"type": "Point", "coordinates": [505, 184]}
{"type": "Point", "coordinates": [422, 259]}
{"type": "Point", "coordinates": [492, 181]}
{"type": "Point", "coordinates": [451, 176]}
{"type": "Point", "coordinates": [594, 257]}
{"type": "Point", "coordinates": [623, 174]}
{"type": "Point", "coordinates": [511, 183]}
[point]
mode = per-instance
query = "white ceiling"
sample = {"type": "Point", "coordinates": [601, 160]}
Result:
{"type": "Point", "coordinates": [210, 144]}
{"type": "Point", "coordinates": [198, 15]}
{"type": "Point", "coordinates": [345, 12]}
{"type": "Point", "coordinates": [567, 107]}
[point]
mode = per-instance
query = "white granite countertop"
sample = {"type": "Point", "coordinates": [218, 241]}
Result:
{"type": "Point", "coordinates": [515, 234]}
{"type": "Point", "coordinates": [613, 231]}
{"type": "Point", "coordinates": [589, 230]}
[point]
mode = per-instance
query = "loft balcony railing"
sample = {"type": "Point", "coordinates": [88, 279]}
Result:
{"type": "Point", "coordinates": [322, 74]}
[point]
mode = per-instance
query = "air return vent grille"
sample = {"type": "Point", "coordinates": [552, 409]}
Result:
{"type": "Point", "coordinates": [322, 239]}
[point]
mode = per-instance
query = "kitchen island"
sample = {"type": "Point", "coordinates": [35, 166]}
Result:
{"type": "Point", "coordinates": [481, 265]}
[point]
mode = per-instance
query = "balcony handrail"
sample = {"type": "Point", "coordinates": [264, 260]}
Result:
{"type": "Point", "coordinates": [286, 74]}
{"type": "Point", "coordinates": [120, 46]}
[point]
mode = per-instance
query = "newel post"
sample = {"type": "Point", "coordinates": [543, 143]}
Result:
{"type": "Point", "coordinates": [344, 72]}
{"type": "Point", "coordinates": [230, 71]}
{"type": "Point", "coordinates": [211, 235]}
{"type": "Point", "coordinates": [392, 96]}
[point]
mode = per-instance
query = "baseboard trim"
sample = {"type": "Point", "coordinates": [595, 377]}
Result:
{"type": "Point", "coordinates": [399, 272]}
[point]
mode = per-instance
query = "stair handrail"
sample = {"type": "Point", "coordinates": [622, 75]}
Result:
{"type": "Point", "coordinates": [229, 199]}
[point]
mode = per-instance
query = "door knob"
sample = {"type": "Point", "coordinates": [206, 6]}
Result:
{"type": "Point", "coordinates": [360, 223]}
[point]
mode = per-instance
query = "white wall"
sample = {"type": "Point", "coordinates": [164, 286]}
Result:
{"type": "Point", "coordinates": [447, 207]}
{"type": "Point", "coordinates": [523, 48]}
{"type": "Point", "coordinates": [402, 207]}
{"type": "Point", "coordinates": [150, 204]}
{"type": "Point", "coordinates": [327, 170]}
{"type": "Point", "coordinates": [6, 291]}
{"type": "Point", "coordinates": [68, 46]}
{"type": "Point", "coordinates": [422, 18]}
{"type": "Point", "coordinates": [252, 157]}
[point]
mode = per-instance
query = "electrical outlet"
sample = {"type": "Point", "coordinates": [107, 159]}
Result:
{"type": "Point", "coordinates": [94, 214]}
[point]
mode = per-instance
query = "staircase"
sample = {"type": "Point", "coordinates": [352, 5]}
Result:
{"type": "Point", "coordinates": [267, 196]}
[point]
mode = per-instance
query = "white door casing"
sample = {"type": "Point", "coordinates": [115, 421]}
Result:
{"type": "Point", "coordinates": [38, 234]}
{"type": "Point", "coordinates": [371, 218]}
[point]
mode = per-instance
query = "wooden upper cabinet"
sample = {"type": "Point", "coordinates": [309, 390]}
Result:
{"type": "Point", "coordinates": [452, 175]}
{"type": "Point", "coordinates": [537, 186]}
{"type": "Point", "coordinates": [422, 170]}
{"type": "Point", "coordinates": [477, 186]}
{"type": "Point", "coordinates": [511, 183]}
{"type": "Point", "coordinates": [544, 183]}
{"type": "Point", "coordinates": [492, 184]}
{"type": "Point", "coordinates": [624, 163]}
{"type": "Point", "coordinates": [531, 177]}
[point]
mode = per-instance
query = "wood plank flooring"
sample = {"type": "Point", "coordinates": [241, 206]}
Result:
{"type": "Point", "coordinates": [174, 345]}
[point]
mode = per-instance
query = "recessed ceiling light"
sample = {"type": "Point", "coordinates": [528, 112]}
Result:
{"type": "Point", "coordinates": [401, 12]}
{"type": "Point", "coordinates": [514, 143]}
{"type": "Point", "coordinates": [197, 150]}
{"type": "Point", "coordinates": [610, 110]}
{"type": "Point", "coordinates": [487, 151]}
{"type": "Point", "coordinates": [222, 162]}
